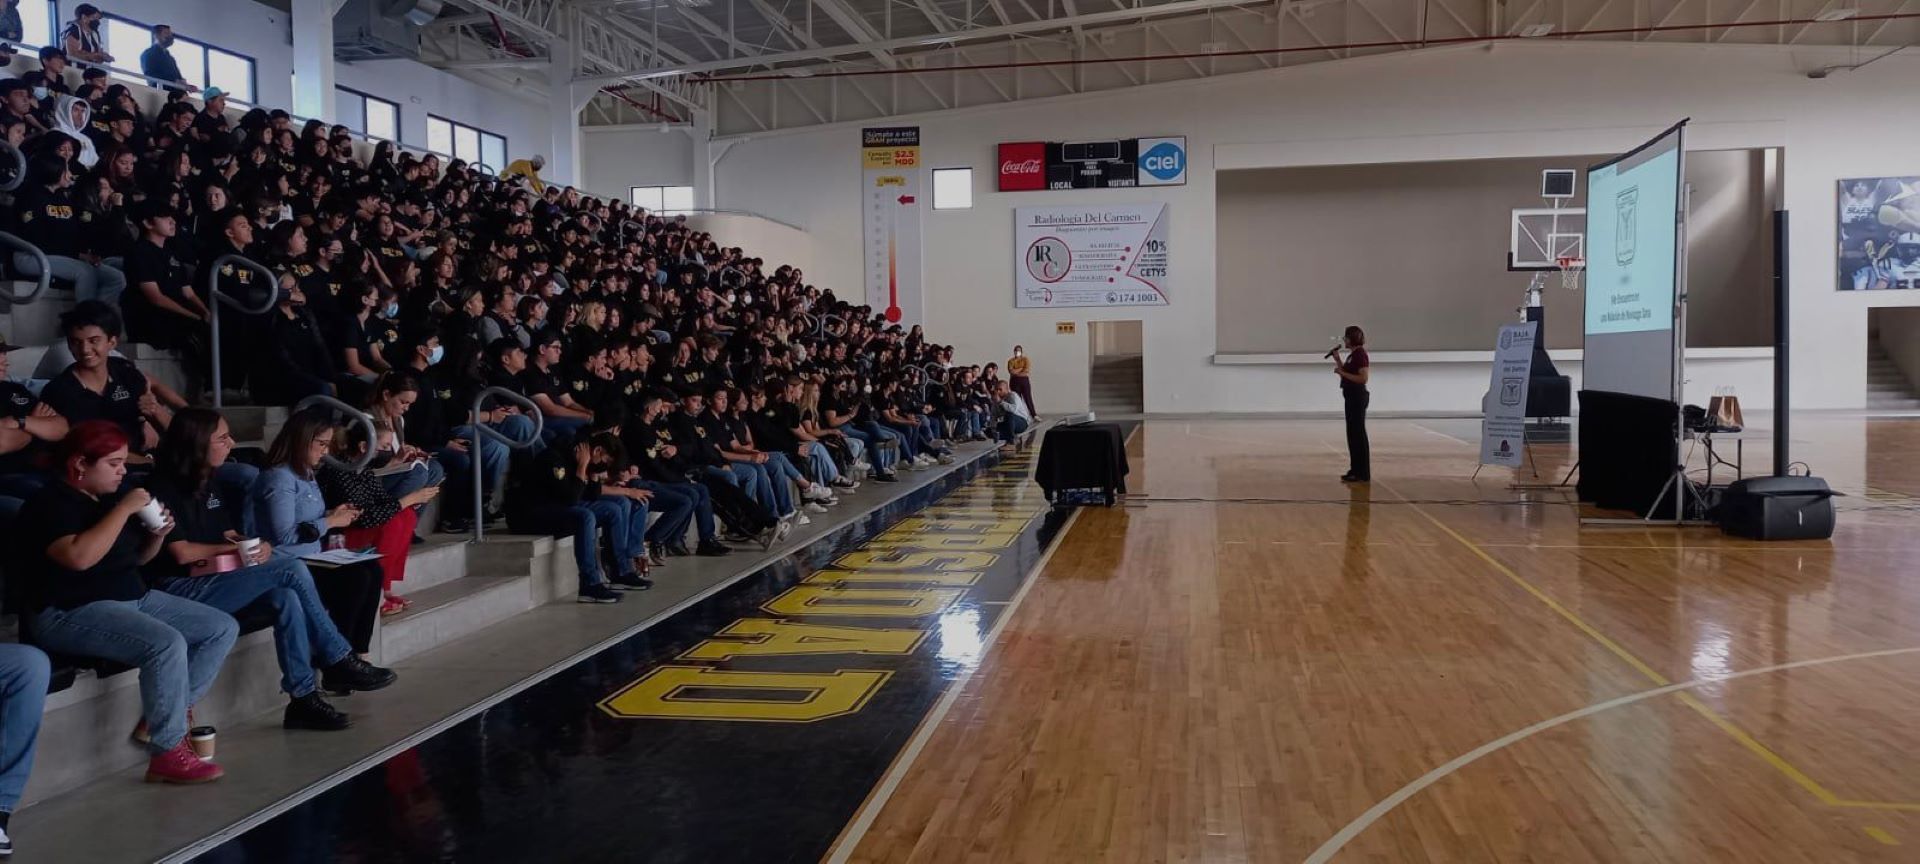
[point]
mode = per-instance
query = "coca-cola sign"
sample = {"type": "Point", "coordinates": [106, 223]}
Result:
{"type": "Point", "coordinates": [1023, 166]}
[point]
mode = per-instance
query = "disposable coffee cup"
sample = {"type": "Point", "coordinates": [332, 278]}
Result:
{"type": "Point", "coordinates": [201, 737]}
{"type": "Point", "coordinates": [248, 548]}
{"type": "Point", "coordinates": [153, 514]}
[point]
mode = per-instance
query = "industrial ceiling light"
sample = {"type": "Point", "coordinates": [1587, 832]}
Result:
{"type": "Point", "coordinates": [1835, 14]}
{"type": "Point", "coordinates": [1535, 31]}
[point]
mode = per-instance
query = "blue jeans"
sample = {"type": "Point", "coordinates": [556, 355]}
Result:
{"type": "Point", "coordinates": [700, 500]}
{"type": "Point", "coordinates": [494, 455]}
{"type": "Point", "coordinates": [177, 643]}
{"type": "Point", "coordinates": [560, 431]}
{"type": "Point", "coordinates": [631, 542]}
{"type": "Point", "coordinates": [616, 517]}
{"type": "Point", "coordinates": [102, 282]}
{"type": "Point", "coordinates": [1011, 426]}
{"type": "Point", "coordinates": [820, 463]}
{"type": "Point", "coordinates": [23, 696]}
{"type": "Point", "coordinates": [754, 481]}
{"type": "Point", "coordinates": [429, 473]}
{"type": "Point", "coordinates": [772, 474]}
{"type": "Point", "coordinates": [884, 457]}
{"type": "Point", "coordinates": [302, 629]}
{"type": "Point", "coordinates": [676, 509]}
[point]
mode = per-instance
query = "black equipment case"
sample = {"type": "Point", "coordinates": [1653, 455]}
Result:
{"type": "Point", "coordinates": [1778, 508]}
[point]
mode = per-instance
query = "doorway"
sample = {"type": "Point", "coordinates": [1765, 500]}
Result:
{"type": "Point", "coordinates": [1116, 371]}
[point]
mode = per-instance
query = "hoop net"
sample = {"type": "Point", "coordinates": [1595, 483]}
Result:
{"type": "Point", "coordinates": [1570, 270]}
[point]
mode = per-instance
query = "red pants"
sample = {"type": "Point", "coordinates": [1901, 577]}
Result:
{"type": "Point", "coordinates": [393, 540]}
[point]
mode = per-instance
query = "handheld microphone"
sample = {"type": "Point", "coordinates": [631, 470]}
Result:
{"type": "Point", "coordinates": [1332, 351]}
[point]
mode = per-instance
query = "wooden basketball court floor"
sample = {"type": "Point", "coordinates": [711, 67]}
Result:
{"type": "Point", "coordinates": [1254, 662]}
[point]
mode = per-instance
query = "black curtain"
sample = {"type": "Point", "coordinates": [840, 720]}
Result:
{"type": "Point", "coordinates": [1627, 450]}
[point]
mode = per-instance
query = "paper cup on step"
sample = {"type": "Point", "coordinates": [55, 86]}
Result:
{"type": "Point", "coordinates": [201, 737]}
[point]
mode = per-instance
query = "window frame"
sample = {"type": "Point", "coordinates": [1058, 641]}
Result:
{"type": "Point", "coordinates": [480, 137]}
{"type": "Point", "coordinates": [660, 195]}
{"type": "Point", "coordinates": [206, 48]}
{"type": "Point", "coordinates": [53, 29]}
{"type": "Point", "coordinates": [935, 178]}
{"type": "Point", "coordinates": [365, 99]}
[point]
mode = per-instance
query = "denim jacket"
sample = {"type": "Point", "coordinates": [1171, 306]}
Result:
{"type": "Point", "coordinates": [289, 512]}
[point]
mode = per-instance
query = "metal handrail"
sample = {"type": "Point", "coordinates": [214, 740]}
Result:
{"type": "Point", "coordinates": [218, 298]}
{"type": "Point", "coordinates": [360, 417]}
{"type": "Point", "coordinates": [482, 431]}
{"type": "Point", "coordinates": [19, 167]}
{"type": "Point", "coordinates": [46, 270]}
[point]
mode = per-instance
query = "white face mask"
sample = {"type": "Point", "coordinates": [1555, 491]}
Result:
{"type": "Point", "coordinates": [1019, 353]}
{"type": "Point", "coordinates": [866, 388]}
{"type": "Point", "coordinates": [39, 92]}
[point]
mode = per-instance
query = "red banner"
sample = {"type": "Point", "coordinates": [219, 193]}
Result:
{"type": "Point", "coordinates": [1023, 166]}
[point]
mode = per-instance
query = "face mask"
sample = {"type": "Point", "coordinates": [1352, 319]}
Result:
{"type": "Point", "coordinates": [393, 310]}
{"type": "Point", "coordinates": [867, 388]}
{"type": "Point", "coordinates": [39, 92]}
{"type": "Point", "coordinates": [747, 297]}
{"type": "Point", "coordinates": [553, 289]}
{"type": "Point", "coordinates": [434, 356]}
{"type": "Point", "coordinates": [1019, 353]}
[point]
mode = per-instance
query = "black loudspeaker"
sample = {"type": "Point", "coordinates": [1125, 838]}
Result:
{"type": "Point", "coordinates": [1778, 508]}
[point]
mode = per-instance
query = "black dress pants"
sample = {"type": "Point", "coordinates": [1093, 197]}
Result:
{"type": "Point", "coordinates": [352, 596]}
{"type": "Point", "coordinates": [1359, 459]}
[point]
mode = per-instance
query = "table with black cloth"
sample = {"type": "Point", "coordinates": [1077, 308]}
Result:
{"type": "Point", "coordinates": [1083, 456]}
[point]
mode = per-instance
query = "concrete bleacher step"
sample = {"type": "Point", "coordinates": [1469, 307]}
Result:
{"type": "Point", "coordinates": [449, 611]}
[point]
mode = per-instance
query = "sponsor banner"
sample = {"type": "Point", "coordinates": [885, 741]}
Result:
{"type": "Point", "coordinates": [891, 202]}
{"type": "Point", "coordinates": [1090, 256]}
{"type": "Point", "coordinates": [1023, 166]}
{"type": "Point", "coordinates": [1112, 164]}
{"type": "Point", "coordinates": [1503, 427]}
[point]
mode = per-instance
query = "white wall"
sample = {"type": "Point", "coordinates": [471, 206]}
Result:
{"type": "Point", "coordinates": [263, 33]}
{"type": "Point", "coordinates": [618, 157]}
{"type": "Point", "coordinates": [1549, 99]}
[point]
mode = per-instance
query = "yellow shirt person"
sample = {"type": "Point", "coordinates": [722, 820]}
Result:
{"type": "Point", "coordinates": [528, 168]}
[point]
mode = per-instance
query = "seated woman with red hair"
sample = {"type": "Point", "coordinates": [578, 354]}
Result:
{"type": "Point", "coordinates": [84, 595]}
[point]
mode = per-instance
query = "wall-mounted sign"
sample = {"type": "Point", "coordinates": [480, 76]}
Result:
{"type": "Point", "coordinates": [890, 201]}
{"type": "Point", "coordinates": [1118, 163]}
{"type": "Point", "coordinates": [1112, 255]}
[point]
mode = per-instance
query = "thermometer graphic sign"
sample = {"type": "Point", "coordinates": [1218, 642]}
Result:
{"type": "Point", "coordinates": [890, 199]}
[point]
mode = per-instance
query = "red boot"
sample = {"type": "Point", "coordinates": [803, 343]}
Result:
{"type": "Point", "coordinates": [181, 765]}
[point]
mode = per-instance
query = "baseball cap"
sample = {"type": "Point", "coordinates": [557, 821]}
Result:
{"type": "Point", "coordinates": [211, 93]}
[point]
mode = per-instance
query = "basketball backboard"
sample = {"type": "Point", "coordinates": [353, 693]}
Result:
{"type": "Point", "coordinates": [1541, 236]}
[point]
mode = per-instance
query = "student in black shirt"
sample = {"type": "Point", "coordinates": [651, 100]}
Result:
{"type": "Point", "coordinates": [208, 559]}
{"type": "Point", "coordinates": [84, 596]}
{"type": "Point", "coordinates": [297, 362]}
{"type": "Point", "coordinates": [163, 310]}
{"type": "Point", "coordinates": [671, 489]}
{"type": "Point", "coordinates": [540, 382]}
{"type": "Point", "coordinates": [554, 493]}
{"type": "Point", "coordinates": [46, 214]}
{"type": "Point", "coordinates": [101, 386]}
{"type": "Point", "coordinates": [27, 426]}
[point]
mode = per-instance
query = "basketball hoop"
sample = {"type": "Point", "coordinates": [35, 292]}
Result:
{"type": "Point", "coordinates": [1570, 269]}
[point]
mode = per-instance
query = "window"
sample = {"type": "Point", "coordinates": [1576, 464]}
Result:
{"type": "Point", "coordinates": [371, 116]}
{"type": "Point", "coordinates": [36, 25]}
{"type": "Point", "coordinates": [202, 65]}
{"type": "Point", "coordinates": [952, 188]}
{"type": "Point", "coordinates": [664, 200]}
{"type": "Point", "coordinates": [461, 141]}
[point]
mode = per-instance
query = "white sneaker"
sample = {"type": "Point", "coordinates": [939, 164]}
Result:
{"type": "Point", "coordinates": [816, 492]}
{"type": "Point", "coordinates": [814, 507]}
{"type": "Point", "coordinates": [782, 531]}
{"type": "Point", "coordinates": [801, 519]}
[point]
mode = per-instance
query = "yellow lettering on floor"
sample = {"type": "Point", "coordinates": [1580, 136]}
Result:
{"type": "Point", "coordinates": [759, 637]}
{"type": "Point", "coordinates": [950, 577]}
{"type": "Point", "coordinates": [864, 602]}
{"type": "Point", "coordinates": [699, 693]}
{"type": "Point", "coordinates": [873, 559]}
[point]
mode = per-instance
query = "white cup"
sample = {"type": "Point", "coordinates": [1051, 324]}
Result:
{"type": "Point", "coordinates": [249, 548]}
{"type": "Point", "coordinates": [152, 514]}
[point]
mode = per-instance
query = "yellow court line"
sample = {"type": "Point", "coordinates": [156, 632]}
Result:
{"type": "Point", "coordinates": [1880, 834]}
{"type": "Point", "coordinates": [1746, 740]}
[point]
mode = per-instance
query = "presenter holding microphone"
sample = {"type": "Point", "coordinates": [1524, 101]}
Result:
{"type": "Point", "coordinates": [1353, 390]}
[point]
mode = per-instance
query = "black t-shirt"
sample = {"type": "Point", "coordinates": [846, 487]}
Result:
{"type": "Point", "coordinates": [157, 264]}
{"type": "Point", "coordinates": [205, 517]}
{"type": "Point", "coordinates": [118, 403]}
{"type": "Point", "coordinates": [775, 432]}
{"type": "Point", "coordinates": [57, 511]}
{"type": "Point", "coordinates": [16, 403]}
{"type": "Point", "coordinates": [351, 333]}
{"type": "Point", "coordinates": [534, 382]}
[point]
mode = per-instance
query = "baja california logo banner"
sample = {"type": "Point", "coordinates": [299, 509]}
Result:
{"type": "Point", "coordinates": [891, 201]}
{"type": "Point", "coordinates": [1090, 256]}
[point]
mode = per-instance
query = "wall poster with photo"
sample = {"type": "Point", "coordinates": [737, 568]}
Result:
{"type": "Point", "coordinates": [1879, 233]}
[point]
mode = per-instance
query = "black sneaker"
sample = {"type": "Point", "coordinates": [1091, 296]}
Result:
{"type": "Point", "coordinates": [679, 550]}
{"type": "Point", "coordinates": [711, 549]}
{"type": "Point", "coordinates": [631, 582]}
{"type": "Point", "coordinates": [885, 477]}
{"type": "Point", "coordinates": [312, 712]}
{"type": "Point", "coordinates": [354, 674]}
{"type": "Point", "coordinates": [656, 555]}
{"type": "Point", "coordinates": [450, 525]}
{"type": "Point", "coordinates": [598, 594]}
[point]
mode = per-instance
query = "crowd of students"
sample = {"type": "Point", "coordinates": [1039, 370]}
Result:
{"type": "Point", "coordinates": [687, 394]}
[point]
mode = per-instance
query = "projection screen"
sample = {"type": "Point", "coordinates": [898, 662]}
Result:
{"type": "Point", "coordinates": [1634, 206]}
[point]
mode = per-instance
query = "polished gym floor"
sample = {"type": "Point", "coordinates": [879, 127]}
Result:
{"type": "Point", "coordinates": [1248, 661]}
